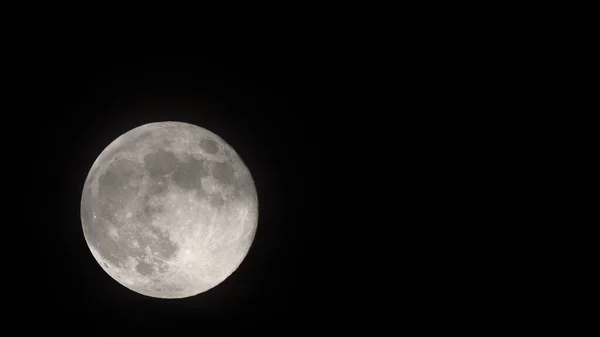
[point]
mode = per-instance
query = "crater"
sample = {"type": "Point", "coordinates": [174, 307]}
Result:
{"type": "Point", "coordinates": [209, 145]}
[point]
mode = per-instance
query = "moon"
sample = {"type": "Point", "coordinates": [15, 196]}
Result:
{"type": "Point", "coordinates": [169, 210]}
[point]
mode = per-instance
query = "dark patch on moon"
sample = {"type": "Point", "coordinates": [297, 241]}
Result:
{"type": "Point", "coordinates": [96, 233]}
{"type": "Point", "coordinates": [146, 211]}
{"type": "Point", "coordinates": [223, 172]}
{"type": "Point", "coordinates": [160, 163]}
{"type": "Point", "coordinates": [120, 182]}
{"type": "Point", "coordinates": [86, 210]}
{"type": "Point", "coordinates": [133, 145]}
{"type": "Point", "coordinates": [112, 251]}
{"type": "Point", "coordinates": [107, 211]}
{"type": "Point", "coordinates": [158, 186]}
{"type": "Point", "coordinates": [118, 251]}
{"type": "Point", "coordinates": [144, 137]}
{"type": "Point", "coordinates": [216, 200]}
{"type": "Point", "coordinates": [209, 145]}
{"type": "Point", "coordinates": [144, 268]}
{"type": "Point", "coordinates": [151, 211]}
{"type": "Point", "coordinates": [189, 174]}
{"type": "Point", "coordinates": [162, 267]}
{"type": "Point", "coordinates": [155, 239]}
{"type": "Point", "coordinates": [143, 238]}
{"type": "Point", "coordinates": [105, 265]}
{"type": "Point", "coordinates": [166, 142]}
{"type": "Point", "coordinates": [164, 247]}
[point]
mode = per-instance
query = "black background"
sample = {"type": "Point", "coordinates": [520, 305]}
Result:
{"type": "Point", "coordinates": [264, 100]}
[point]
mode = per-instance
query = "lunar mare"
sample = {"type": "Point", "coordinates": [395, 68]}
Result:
{"type": "Point", "coordinates": [169, 210]}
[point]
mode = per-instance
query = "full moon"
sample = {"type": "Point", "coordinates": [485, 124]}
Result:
{"type": "Point", "coordinates": [169, 210]}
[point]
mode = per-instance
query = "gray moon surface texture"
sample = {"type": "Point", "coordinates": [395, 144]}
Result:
{"type": "Point", "coordinates": [169, 210]}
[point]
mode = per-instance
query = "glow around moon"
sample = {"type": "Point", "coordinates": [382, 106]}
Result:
{"type": "Point", "coordinates": [169, 210]}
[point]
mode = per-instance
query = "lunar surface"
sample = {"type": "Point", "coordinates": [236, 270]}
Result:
{"type": "Point", "coordinates": [169, 210]}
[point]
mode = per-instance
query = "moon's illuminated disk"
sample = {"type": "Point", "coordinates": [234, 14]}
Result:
{"type": "Point", "coordinates": [169, 210]}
